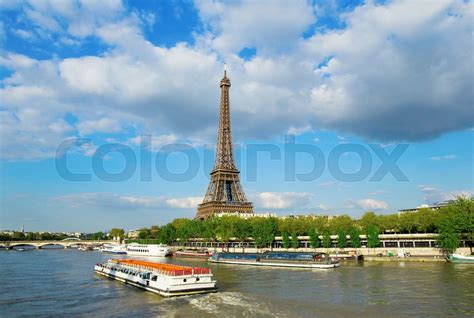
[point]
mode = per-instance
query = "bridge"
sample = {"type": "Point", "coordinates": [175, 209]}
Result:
{"type": "Point", "coordinates": [66, 243]}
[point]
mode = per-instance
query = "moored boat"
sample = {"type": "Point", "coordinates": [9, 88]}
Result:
{"type": "Point", "coordinates": [193, 254]}
{"type": "Point", "coordinates": [163, 279]}
{"type": "Point", "coordinates": [460, 259]}
{"type": "Point", "coordinates": [277, 259]}
{"type": "Point", "coordinates": [114, 249]}
{"type": "Point", "coordinates": [157, 250]}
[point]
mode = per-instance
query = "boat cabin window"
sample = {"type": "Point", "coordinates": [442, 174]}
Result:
{"type": "Point", "coordinates": [153, 278]}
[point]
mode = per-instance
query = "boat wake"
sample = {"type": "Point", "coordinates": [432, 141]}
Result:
{"type": "Point", "coordinates": [231, 303]}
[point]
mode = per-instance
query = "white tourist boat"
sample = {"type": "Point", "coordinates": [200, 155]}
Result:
{"type": "Point", "coordinates": [163, 279]}
{"type": "Point", "coordinates": [114, 249]}
{"type": "Point", "coordinates": [157, 250]}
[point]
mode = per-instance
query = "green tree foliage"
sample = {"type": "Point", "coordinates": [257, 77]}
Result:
{"type": "Point", "coordinates": [242, 229]}
{"type": "Point", "coordinates": [264, 231]}
{"type": "Point", "coordinates": [167, 234]}
{"type": "Point", "coordinates": [115, 233]}
{"type": "Point", "coordinates": [456, 221]}
{"type": "Point", "coordinates": [154, 229]}
{"type": "Point", "coordinates": [340, 223]}
{"type": "Point", "coordinates": [294, 240]}
{"type": "Point", "coordinates": [369, 218]}
{"type": "Point", "coordinates": [185, 228]}
{"type": "Point", "coordinates": [341, 239]}
{"type": "Point", "coordinates": [355, 237]}
{"type": "Point", "coordinates": [144, 233]}
{"type": "Point", "coordinates": [285, 240]}
{"type": "Point", "coordinates": [313, 238]}
{"type": "Point", "coordinates": [327, 239]}
{"type": "Point", "coordinates": [372, 236]}
{"type": "Point", "coordinates": [98, 236]}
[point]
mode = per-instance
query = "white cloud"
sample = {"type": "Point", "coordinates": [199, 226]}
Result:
{"type": "Point", "coordinates": [433, 194]}
{"type": "Point", "coordinates": [184, 203]}
{"type": "Point", "coordinates": [393, 65]}
{"type": "Point", "coordinates": [236, 25]}
{"type": "Point", "coordinates": [369, 204]}
{"type": "Point", "coordinates": [422, 66]}
{"type": "Point", "coordinates": [104, 125]}
{"type": "Point", "coordinates": [112, 200]}
{"type": "Point", "coordinates": [152, 142]}
{"type": "Point", "coordinates": [282, 200]}
{"type": "Point", "coordinates": [441, 158]}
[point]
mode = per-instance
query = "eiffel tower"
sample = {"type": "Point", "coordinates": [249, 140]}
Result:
{"type": "Point", "coordinates": [224, 193]}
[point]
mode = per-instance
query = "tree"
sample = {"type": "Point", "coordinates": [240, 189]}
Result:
{"type": "Point", "coordinates": [285, 240]}
{"type": "Point", "coordinates": [167, 234]}
{"type": "Point", "coordinates": [242, 229]}
{"type": "Point", "coordinates": [98, 236]}
{"type": "Point", "coordinates": [327, 242]}
{"type": "Point", "coordinates": [369, 218]}
{"type": "Point", "coordinates": [313, 238]}
{"type": "Point", "coordinates": [144, 233]}
{"type": "Point", "coordinates": [154, 231]}
{"type": "Point", "coordinates": [448, 239]}
{"type": "Point", "coordinates": [372, 236]}
{"type": "Point", "coordinates": [294, 240]}
{"type": "Point", "coordinates": [355, 237]}
{"type": "Point", "coordinates": [263, 231]}
{"type": "Point", "coordinates": [225, 229]}
{"type": "Point", "coordinates": [456, 221]}
{"type": "Point", "coordinates": [341, 239]}
{"type": "Point", "coordinates": [116, 233]}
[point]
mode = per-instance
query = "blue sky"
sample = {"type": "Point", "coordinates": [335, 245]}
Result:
{"type": "Point", "coordinates": [137, 76]}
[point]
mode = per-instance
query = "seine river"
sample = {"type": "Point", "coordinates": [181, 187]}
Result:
{"type": "Point", "coordinates": [62, 283]}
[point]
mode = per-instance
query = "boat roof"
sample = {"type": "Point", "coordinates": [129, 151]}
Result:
{"type": "Point", "coordinates": [162, 268]}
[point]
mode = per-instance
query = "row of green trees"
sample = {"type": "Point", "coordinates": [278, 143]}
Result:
{"type": "Point", "coordinates": [32, 236]}
{"type": "Point", "coordinates": [46, 236]}
{"type": "Point", "coordinates": [453, 222]}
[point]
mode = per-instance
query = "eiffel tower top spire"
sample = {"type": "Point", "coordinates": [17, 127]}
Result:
{"type": "Point", "coordinates": [224, 153]}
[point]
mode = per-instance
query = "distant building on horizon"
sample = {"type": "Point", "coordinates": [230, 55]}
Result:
{"type": "Point", "coordinates": [433, 207]}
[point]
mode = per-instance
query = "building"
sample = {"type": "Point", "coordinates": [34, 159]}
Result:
{"type": "Point", "coordinates": [246, 215]}
{"type": "Point", "coordinates": [224, 193]}
{"type": "Point", "coordinates": [433, 207]}
{"type": "Point", "coordinates": [133, 234]}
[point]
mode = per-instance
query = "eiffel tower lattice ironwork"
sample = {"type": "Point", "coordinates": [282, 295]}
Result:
{"type": "Point", "coordinates": [224, 193]}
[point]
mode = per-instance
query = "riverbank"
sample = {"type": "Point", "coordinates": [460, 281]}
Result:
{"type": "Point", "coordinates": [368, 254]}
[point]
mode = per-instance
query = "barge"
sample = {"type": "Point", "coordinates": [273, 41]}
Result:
{"type": "Point", "coordinates": [163, 279]}
{"type": "Point", "coordinates": [277, 259]}
{"type": "Point", "coordinates": [193, 254]}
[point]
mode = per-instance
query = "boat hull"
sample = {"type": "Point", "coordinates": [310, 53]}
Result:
{"type": "Point", "coordinates": [192, 255]}
{"type": "Point", "coordinates": [460, 259]}
{"type": "Point", "coordinates": [277, 264]}
{"type": "Point", "coordinates": [159, 278]}
{"type": "Point", "coordinates": [163, 293]}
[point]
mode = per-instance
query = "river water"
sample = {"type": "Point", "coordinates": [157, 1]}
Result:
{"type": "Point", "coordinates": [62, 283]}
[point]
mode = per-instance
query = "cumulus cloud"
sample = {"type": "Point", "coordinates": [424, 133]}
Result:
{"type": "Point", "coordinates": [267, 26]}
{"type": "Point", "coordinates": [433, 194]}
{"type": "Point", "coordinates": [112, 200]}
{"type": "Point", "coordinates": [105, 125]}
{"type": "Point", "coordinates": [381, 76]}
{"type": "Point", "coordinates": [369, 204]}
{"type": "Point", "coordinates": [282, 200]}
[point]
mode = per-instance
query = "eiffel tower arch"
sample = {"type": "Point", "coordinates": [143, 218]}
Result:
{"type": "Point", "coordinates": [224, 193]}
